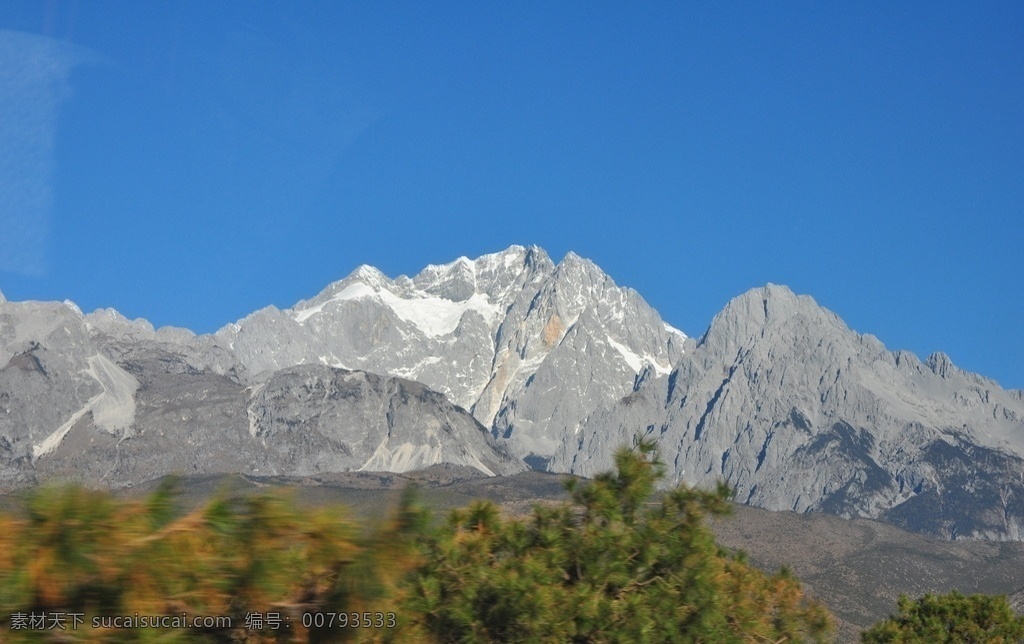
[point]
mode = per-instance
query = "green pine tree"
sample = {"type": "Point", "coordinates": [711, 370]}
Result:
{"type": "Point", "coordinates": [612, 566]}
{"type": "Point", "coordinates": [950, 618]}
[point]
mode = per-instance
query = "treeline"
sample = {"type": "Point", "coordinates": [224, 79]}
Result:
{"type": "Point", "coordinates": [611, 566]}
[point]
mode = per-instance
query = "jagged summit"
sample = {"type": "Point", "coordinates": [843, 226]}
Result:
{"type": "Point", "coordinates": [941, 365]}
{"type": "Point", "coordinates": [456, 281]}
{"type": "Point", "coordinates": [501, 335]}
{"type": "Point", "coordinates": [516, 358]}
{"type": "Point", "coordinates": [796, 411]}
{"type": "Point", "coordinates": [769, 305]}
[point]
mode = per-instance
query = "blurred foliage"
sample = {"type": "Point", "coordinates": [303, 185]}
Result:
{"type": "Point", "coordinates": [950, 618]}
{"type": "Point", "coordinates": [613, 565]}
{"type": "Point", "coordinates": [80, 551]}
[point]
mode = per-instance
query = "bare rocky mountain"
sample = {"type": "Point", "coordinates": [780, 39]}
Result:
{"type": "Point", "coordinates": [797, 412]}
{"type": "Point", "coordinates": [372, 373]}
{"type": "Point", "coordinates": [102, 400]}
{"type": "Point", "coordinates": [511, 359]}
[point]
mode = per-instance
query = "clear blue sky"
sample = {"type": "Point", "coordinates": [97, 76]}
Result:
{"type": "Point", "coordinates": [190, 162]}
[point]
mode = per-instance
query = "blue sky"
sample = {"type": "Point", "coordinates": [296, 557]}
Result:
{"type": "Point", "coordinates": [190, 162]}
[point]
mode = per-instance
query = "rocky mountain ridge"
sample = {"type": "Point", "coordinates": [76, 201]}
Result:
{"type": "Point", "coordinates": [511, 359]}
{"type": "Point", "coordinates": [795, 411]}
{"type": "Point", "coordinates": [77, 403]}
{"type": "Point", "coordinates": [511, 336]}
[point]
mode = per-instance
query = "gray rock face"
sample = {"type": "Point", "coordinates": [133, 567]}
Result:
{"type": "Point", "coordinates": [100, 399]}
{"type": "Point", "coordinates": [313, 418]}
{"type": "Point", "coordinates": [487, 362]}
{"type": "Point", "coordinates": [797, 412]}
{"type": "Point", "coordinates": [53, 376]}
{"type": "Point", "coordinates": [530, 347]}
{"type": "Point", "coordinates": [123, 339]}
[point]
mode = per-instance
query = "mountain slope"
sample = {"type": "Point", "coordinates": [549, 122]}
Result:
{"type": "Point", "coordinates": [507, 358]}
{"type": "Point", "coordinates": [530, 347]}
{"type": "Point", "coordinates": [99, 399]}
{"type": "Point", "coordinates": [797, 412]}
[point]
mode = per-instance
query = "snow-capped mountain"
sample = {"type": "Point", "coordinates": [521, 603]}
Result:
{"type": "Point", "coordinates": [531, 348]}
{"type": "Point", "coordinates": [511, 359]}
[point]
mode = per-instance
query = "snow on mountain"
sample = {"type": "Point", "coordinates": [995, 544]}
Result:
{"type": "Point", "coordinates": [509, 359]}
{"type": "Point", "coordinates": [434, 316]}
{"type": "Point", "coordinates": [497, 335]}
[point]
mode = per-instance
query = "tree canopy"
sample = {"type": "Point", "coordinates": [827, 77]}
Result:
{"type": "Point", "coordinates": [619, 562]}
{"type": "Point", "coordinates": [950, 618]}
{"type": "Point", "coordinates": [615, 565]}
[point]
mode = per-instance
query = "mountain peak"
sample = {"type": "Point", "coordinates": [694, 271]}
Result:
{"type": "Point", "coordinates": [466, 272]}
{"type": "Point", "coordinates": [796, 411]}
{"type": "Point", "coordinates": [573, 260]}
{"type": "Point", "coordinates": [463, 263]}
{"type": "Point", "coordinates": [750, 313]}
{"type": "Point", "coordinates": [369, 274]}
{"type": "Point", "coordinates": [940, 364]}
{"type": "Point", "coordinates": [536, 256]}
{"type": "Point", "coordinates": [499, 335]}
{"type": "Point", "coordinates": [511, 256]}
{"type": "Point", "coordinates": [773, 301]}
{"type": "Point", "coordinates": [455, 281]}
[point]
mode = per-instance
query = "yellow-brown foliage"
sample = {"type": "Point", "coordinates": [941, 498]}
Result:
{"type": "Point", "coordinates": [80, 551]}
{"type": "Point", "coordinates": [611, 566]}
